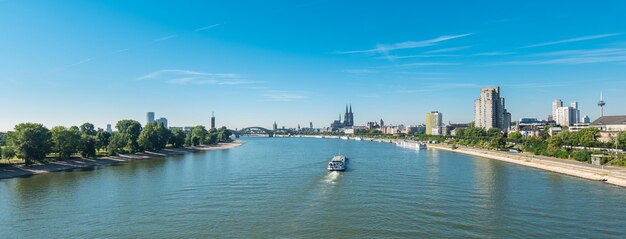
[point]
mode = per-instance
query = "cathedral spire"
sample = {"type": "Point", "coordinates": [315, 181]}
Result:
{"type": "Point", "coordinates": [350, 108]}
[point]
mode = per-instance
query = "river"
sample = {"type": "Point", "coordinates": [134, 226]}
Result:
{"type": "Point", "coordinates": [279, 188]}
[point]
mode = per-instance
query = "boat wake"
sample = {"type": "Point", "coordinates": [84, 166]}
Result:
{"type": "Point", "coordinates": [331, 177]}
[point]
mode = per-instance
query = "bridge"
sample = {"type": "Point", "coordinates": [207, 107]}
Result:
{"type": "Point", "coordinates": [256, 130]}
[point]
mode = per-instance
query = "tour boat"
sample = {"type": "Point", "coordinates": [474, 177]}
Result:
{"type": "Point", "coordinates": [338, 163]}
{"type": "Point", "coordinates": [411, 145]}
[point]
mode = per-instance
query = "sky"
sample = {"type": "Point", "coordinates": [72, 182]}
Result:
{"type": "Point", "coordinates": [295, 62]}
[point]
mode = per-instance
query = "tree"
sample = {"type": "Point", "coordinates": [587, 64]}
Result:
{"type": "Point", "coordinates": [211, 137]}
{"type": "Point", "coordinates": [223, 135]}
{"type": "Point", "coordinates": [621, 140]}
{"type": "Point", "coordinates": [177, 138]}
{"type": "Point", "coordinates": [3, 139]}
{"type": "Point", "coordinates": [66, 141]}
{"type": "Point", "coordinates": [556, 142]}
{"type": "Point", "coordinates": [88, 148]}
{"type": "Point", "coordinates": [30, 141]}
{"type": "Point", "coordinates": [153, 137]}
{"type": "Point", "coordinates": [515, 137]}
{"type": "Point", "coordinates": [587, 137]}
{"type": "Point", "coordinates": [129, 130]}
{"type": "Point", "coordinates": [117, 143]}
{"type": "Point", "coordinates": [88, 129]}
{"type": "Point", "coordinates": [197, 136]}
{"type": "Point", "coordinates": [164, 136]}
{"type": "Point", "coordinates": [102, 139]}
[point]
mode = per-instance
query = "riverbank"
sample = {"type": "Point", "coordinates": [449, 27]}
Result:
{"type": "Point", "coordinates": [12, 171]}
{"type": "Point", "coordinates": [607, 174]}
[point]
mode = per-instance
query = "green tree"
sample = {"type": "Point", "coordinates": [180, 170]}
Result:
{"type": "Point", "coordinates": [515, 137]}
{"type": "Point", "coordinates": [88, 148]}
{"type": "Point", "coordinates": [177, 138]}
{"type": "Point", "coordinates": [30, 141]}
{"type": "Point", "coordinates": [66, 141]}
{"type": "Point", "coordinates": [129, 130]}
{"type": "Point", "coordinates": [197, 136]}
{"type": "Point", "coordinates": [588, 137]}
{"type": "Point", "coordinates": [211, 137]}
{"type": "Point", "coordinates": [556, 142]}
{"type": "Point", "coordinates": [102, 139]}
{"type": "Point", "coordinates": [223, 135]}
{"type": "Point", "coordinates": [153, 137]}
{"type": "Point", "coordinates": [88, 129]}
{"type": "Point", "coordinates": [621, 140]}
{"type": "Point", "coordinates": [117, 143]}
{"type": "Point", "coordinates": [3, 139]}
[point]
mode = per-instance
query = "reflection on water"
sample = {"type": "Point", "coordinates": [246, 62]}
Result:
{"type": "Point", "coordinates": [276, 187]}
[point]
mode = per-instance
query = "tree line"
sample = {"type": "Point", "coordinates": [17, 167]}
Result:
{"type": "Point", "coordinates": [33, 142]}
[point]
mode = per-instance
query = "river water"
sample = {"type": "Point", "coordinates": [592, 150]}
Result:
{"type": "Point", "coordinates": [279, 188]}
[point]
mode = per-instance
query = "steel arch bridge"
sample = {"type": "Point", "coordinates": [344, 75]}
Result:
{"type": "Point", "coordinates": [260, 130]}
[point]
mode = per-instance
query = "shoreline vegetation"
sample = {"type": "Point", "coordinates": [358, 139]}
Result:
{"type": "Point", "coordinates": [607, 174]}
{"type": "Point", "coordinates": [12, 171]}
{"type": "Point", "coordinates": [32, 148]}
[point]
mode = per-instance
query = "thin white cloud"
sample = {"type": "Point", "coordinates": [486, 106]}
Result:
{"type": "Point", "coordinates": [577, 39]}
{"type": "Point", "coordinates": [384, 49]}
{"type": "Point", "coordinates": [429, 64]}
{"type": "Point", "coordinates": [187, 77]}
{"type": "Point", "coordinates": [81, 62]}
{"type": "Point", "coordinates": [571, 57]}
{"type": "Point", "coordinates": [165, 38]}
{"type": "Point", "coordinates": [437, 87]}
{"type": "Point", "coordinates": [122, 50]}
{"type": "Point", "coordinates": [279, 95]}
{"type": "Point", "coordinates": [397, 57]}
{"type": "Point", "coordinates": [495, 53]}
{"type": "Point", "coordinates": [451, 49]}
{"type": "Point", "coordinates": [360, 71]}
{"type": "Point", "coordinates": [206, 27]}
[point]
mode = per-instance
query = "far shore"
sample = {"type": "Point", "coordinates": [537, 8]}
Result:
{"type": "Point", "coordinates": [607, 174]}
{"type": "Point", "coordinates": [12, 171]}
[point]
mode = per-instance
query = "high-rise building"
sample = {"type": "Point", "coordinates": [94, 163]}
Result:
{"type": "Point", "coordinates": [565, 116]}
{"type": "Point", "coordinates": [382, 123]}
{"type": "Point", "coordinates": [576, 112]}
{"type": "Point", "coordinates": [212, 120]}
{"type": "Point", "coordinates": [490, 111]}
{"type": "Point", "coordinates": [275, 126]}
{"type": "Point", "coordinates": [162, 121]}
{"type": "Point", "coordinates": [434, 123]}
{"type": "Point", "coordinates": [310, 125]}
{"type": "Point", "coordinates": [149, 117]}
{"type": "Point", "coordinates": [586, 120]}
{"type": "Point", "coordinates": [109, 129]}
{"type": "Point", "coordinates": [555, 105]}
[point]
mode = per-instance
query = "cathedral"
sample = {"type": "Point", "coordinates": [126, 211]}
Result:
{"type": "Point", "coordinates": [348, 118]}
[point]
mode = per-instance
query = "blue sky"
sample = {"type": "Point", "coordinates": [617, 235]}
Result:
{"type": "Point", "coordinates": [256, 62]}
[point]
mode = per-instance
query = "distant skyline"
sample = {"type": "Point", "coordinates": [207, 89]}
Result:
{"type": "Point", "coordinates": [253, 63]}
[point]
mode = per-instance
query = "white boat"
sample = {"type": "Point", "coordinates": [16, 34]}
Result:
{"type": "Point", "coordinates": [337, 163]}
{"type": "Point", "coordinates": [411, 145]}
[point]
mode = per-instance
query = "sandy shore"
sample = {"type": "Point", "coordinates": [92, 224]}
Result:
{"type": "Point", "coordinates": [607, 174]}
{"type": "Point", "coordinates": [21, 170]}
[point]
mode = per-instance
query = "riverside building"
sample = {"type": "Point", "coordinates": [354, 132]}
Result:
{"type": "Point", "coordinates": [434, 123]}
{"type": "Point", "coordinates": [490, 111]}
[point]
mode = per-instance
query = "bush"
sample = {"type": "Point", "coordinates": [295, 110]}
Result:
{"type": "Point", "coordinates": [582, 155]}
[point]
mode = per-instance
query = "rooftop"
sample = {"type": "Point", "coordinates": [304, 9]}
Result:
{"type": "Point", "coordinates": [605, 120]}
